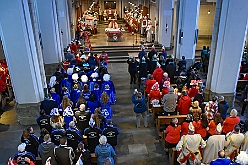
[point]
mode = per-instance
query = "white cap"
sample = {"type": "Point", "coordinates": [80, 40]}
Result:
{"type": "Point", "coordinates": [103, 139]}
{"type": "Point", "coordinates": [106, 77]}
{"type": "Point", "coordinates": [75, 76]}
{"type": "Point", "coordinates": [21, 147]}
{"type": "Point", "coordinates": [84, 78]}
{"type": "Point", "coordinates": [94, 75]}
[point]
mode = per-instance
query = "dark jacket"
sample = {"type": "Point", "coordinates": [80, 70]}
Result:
{"type": "Point", "coordinates": [45, 151]}
{"type": "Point", "coordinates": [171, 70]}
{"type": "Point", "coordinates": [139, 104]}
{"type": "Point", "coordinates": [143, 69]}
{"type": "Point", "coordinates": [64, 155]}
{"type": "Point", "coordinates": [111, 133]}
{"type": "Point", "coordinates": [83, 118]}
{"type": "Point", "coordinates": [132, 66]}
{"type": "Point", "coordinates": [222, 108]}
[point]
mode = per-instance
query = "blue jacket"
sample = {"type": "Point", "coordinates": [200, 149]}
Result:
{"type": "Point", "coordinates": [139, 105]}
{"type": "Point", "coordinates": [222, 108]}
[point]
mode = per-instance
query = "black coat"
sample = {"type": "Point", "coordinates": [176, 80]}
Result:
{"type": "Point", "coordinates": [143, 69]}
{"type": "Point", "coordinates": [171, 70]}
{"type": "Point", "coordinates": [132, 66]}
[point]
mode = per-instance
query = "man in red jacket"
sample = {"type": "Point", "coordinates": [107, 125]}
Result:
{"type": "Point", "coordinates": [184, 104]}
{"type": "Point", "coordinates": [158, 73]}
{"type": "Point", "coordinates": [149, 83]}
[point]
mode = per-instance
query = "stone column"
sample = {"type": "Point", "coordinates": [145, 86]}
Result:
{"type": "Point", "coordinates": [187, 29]}
{"type": "Point", "coordinates": [64, 22]}
{"type": "Point", "coordinates": [228, 46]}
{"type": "Point", "coordinates": [22, 58]}
{"type": "Point", "coordinates": [165, 22]}
{"type": "Point", "coordinates": [50, 32]}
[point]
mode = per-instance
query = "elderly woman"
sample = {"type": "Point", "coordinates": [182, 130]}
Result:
{"type": "Point", "coordinates": [104, 150]}
{"type": "Point", "coordinates": [230, 122]}
{"type": "Point", "coordinates": [172, 133]}
{"type": "Point", "coordinates": [164, 78]}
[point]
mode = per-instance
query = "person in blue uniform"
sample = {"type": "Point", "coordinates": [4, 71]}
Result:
{"type": "Point", "coordinates": [92, 104]}
{"type": "Point", "coordinates": [142, 53]}
{"type": "Point", "coordinates": [93, 81]}
{"type": "Point", "coordinates": [106, 80]}
{"type": "Point", "coordinates": [21, 155]}
{"type": "Point", "coordinates": [57, 133]}
{"type": "Point", "coordinates": [132, 68]}
{"type": "Point", "coordinates": [106, 106]}
{"type": "Point", "coordinates": [110, 94]}
{"type": "Point", "coordinates": [55, 96]}
{"type": "Point", "coordinates": [152, 53]}
{"type": "Point", "coordinates": [75, 93]}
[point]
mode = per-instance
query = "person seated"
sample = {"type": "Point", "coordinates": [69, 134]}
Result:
{"type": "Point", "coordinates": [155, 93]}
{"type": "Point", "coordinates": [24, 157]}
{"type": "Point", "coordinates": [230, 121]}
{"type": "Point", "coordinates": [185, 124]}
{"type": "Point", "coordinates": [222, 160]}
{"type": "Point", "coordinates": [172, 134]}
{"type": "Point", "coordinates": [201, 126]}
{"type": "Point", "coordinates": [166, 88]}
{"type": "Point", "coordinates": [149, 83]}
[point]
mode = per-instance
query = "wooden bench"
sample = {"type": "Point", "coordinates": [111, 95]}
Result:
{"type": "Point", "coordinates": [167, 119]}
{"type": "Point", "coordinates": [157, 109]}
{"type": "Point", "coordinates": [38, 161]}
{"type": "Point", "coordinates": [172, 156]}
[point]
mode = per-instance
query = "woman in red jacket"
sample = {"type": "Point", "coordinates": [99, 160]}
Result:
{"type": "Point", "coordinates": [172, 134]}
{"type": "Point", "coordinates": [149, 83]}
{"type": "Point", "coordinates": [185, 125]}
{"type": "Point", "coordinates": [158, 73]}
{"type": "Point", "coordinates": [166, 88]}
{"type": "Point", "coordinates": [184, 104]}
{"type": "Point", "coordinates": [230, 122]}
{"type": "Point", "coordinates": [155, 93]}
{"type": "Point", "coordinates": [213, 124]}
{"type": "Point", "coordinates": [201, 126]}
{"type": "Point", "coordinates": [193, 91]}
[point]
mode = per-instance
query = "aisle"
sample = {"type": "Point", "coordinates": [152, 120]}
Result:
{"type": "Point", "coordinates": [135, 146]}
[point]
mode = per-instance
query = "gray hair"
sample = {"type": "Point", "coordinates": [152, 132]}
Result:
{"type": "Point", "coordinates": [103, 139]}
{"type": "Point", "coordinates": [233, 113]}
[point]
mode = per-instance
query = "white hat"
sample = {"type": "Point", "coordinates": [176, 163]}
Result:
{"type": "Point", "coordinates": [21, 147]}
{"type": "Point", "coordinates": [153, 46]}
{"type": "Point", "coordinates": [158, 64]}
{"type": "Point", "coordinates": [191, 127]}
{"type": "Point", "coordinates": [69, 49]}
{"type": "Point", "coordinates": [219, 128]}
{"type": "Point", "coordinates": [54, 112]}
{"type": "Point", "coordinates": [82, 107]}
{"type": "Point", "coordinates": [84, 78]}
{"type": "Point", "coordinates": [106, 77]}
{"type": "Point", "coordinates": [75, 76]}
{"type": "Point", "coordinates": [94, 75]}
{"type": "Point", "coordinates": [163, 47]}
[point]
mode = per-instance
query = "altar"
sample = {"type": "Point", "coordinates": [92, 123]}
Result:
{"type": "Point", "coordinates": [113, 32]}
{"type": "Point", "coordinates": [114, 35]}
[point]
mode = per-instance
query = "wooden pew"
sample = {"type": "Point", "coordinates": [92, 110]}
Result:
{"type": "Point", "coordinates": [157, 109]}
{"type": "Point", "coordinates": [38, 161]}
{"type": "Point", "coordinates": [167, 119]}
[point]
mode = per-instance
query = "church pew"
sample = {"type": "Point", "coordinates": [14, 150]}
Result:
{"type": "Point", "coordinates": [157, 109]}
{"type": "Point", "coordinates": [162, 120]}
{"type": "Point", "coordinates": [93, 158]}
{"type": "Point", "coordinates": [38, 161]}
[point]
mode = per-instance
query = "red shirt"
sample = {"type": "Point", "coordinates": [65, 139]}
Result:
{"type": "Point", "coordinates": [158, 74]}
{"type": "Point", "coordinates": [149, 84]}
{"type": "Point", "coordinates": [155, 94]}
{"type": "Point", "coordinates": [199, 129]}
{"type": "Point", "coordinates": [229, 124]}
{"type": "Point", "coordinates": [165, 91]}
{"type": "Point", "coordinates": [185, 128]}
{"type": "Point", "coordinates": [212, 127]}
{"type": "Point", "coordinates": [183, 105]}
{"type": "Point", "coordinates": [173, 134]}
{"type": "Point", "coordinates": [193, 92]}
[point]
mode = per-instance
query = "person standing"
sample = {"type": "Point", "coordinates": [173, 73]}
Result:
{"type": "Point", "coordinates": [132, 69]}
{"type": "Point", "coordinates": [103, 151]}
{"type": "Point", "coordinates": [245, 99]}
{"type": "Point", "coordinates": [93, 134]}
{"type": "Point", "coordinates": [46, 150]}
{"type": "Point", "coordinates": [169, 100]}
{"type": "Point", "coordinates": [171, 70]}
{"type": "Point", "coordinates": [82, 118]}
{"type": "Point", "coordinates": [233, 142]}
{"type": "Point", "coordinates": [230, 121]}
{"type": "Point", "coordinates": [73, 136]}
{"type": "Point", "coordinates": [64, 154]}
{"type": "Point", "coordinates": [139, 108]}
{"type": "Point", "coordinates": [111, 133]}
{"type": "Point", "coordinates": [223, 107]}
{"type": "Point", "coordinates": [44, 121]}
{"type": "Point", "coordinates": [215, 143]}
{"type": "Point", "coordinates": [189, 146]}
{"type": "Point", "coordinates": [184, 104]}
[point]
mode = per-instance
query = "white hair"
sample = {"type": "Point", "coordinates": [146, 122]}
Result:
{"type": "Point", "coordinates": [233, 113]}
{"type": "Point", "coordinates": [106, 77]}
{"type": "Point", "coordinates": [103, 139]}
{"type": "Point", "coordinates": [52, 81]}
{"type": "Point", "coordinates": [21, 147]}
{"type": "Point", "coordinates": [84, 78]}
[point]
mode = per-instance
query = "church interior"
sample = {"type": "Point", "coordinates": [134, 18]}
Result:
{"type": "Point", "coordinates": [37, 38]}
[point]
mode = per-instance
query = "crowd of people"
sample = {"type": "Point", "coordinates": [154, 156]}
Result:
{"type": "Point", "coordinates": [208, 135]}
{"type": "Point", "coordinates": [76, 117]}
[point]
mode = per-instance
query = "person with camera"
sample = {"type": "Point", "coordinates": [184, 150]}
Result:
{"type": "Point", "coordinates": [24, 157]}
{"type": "Point", "coordinates": [139, 107]}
